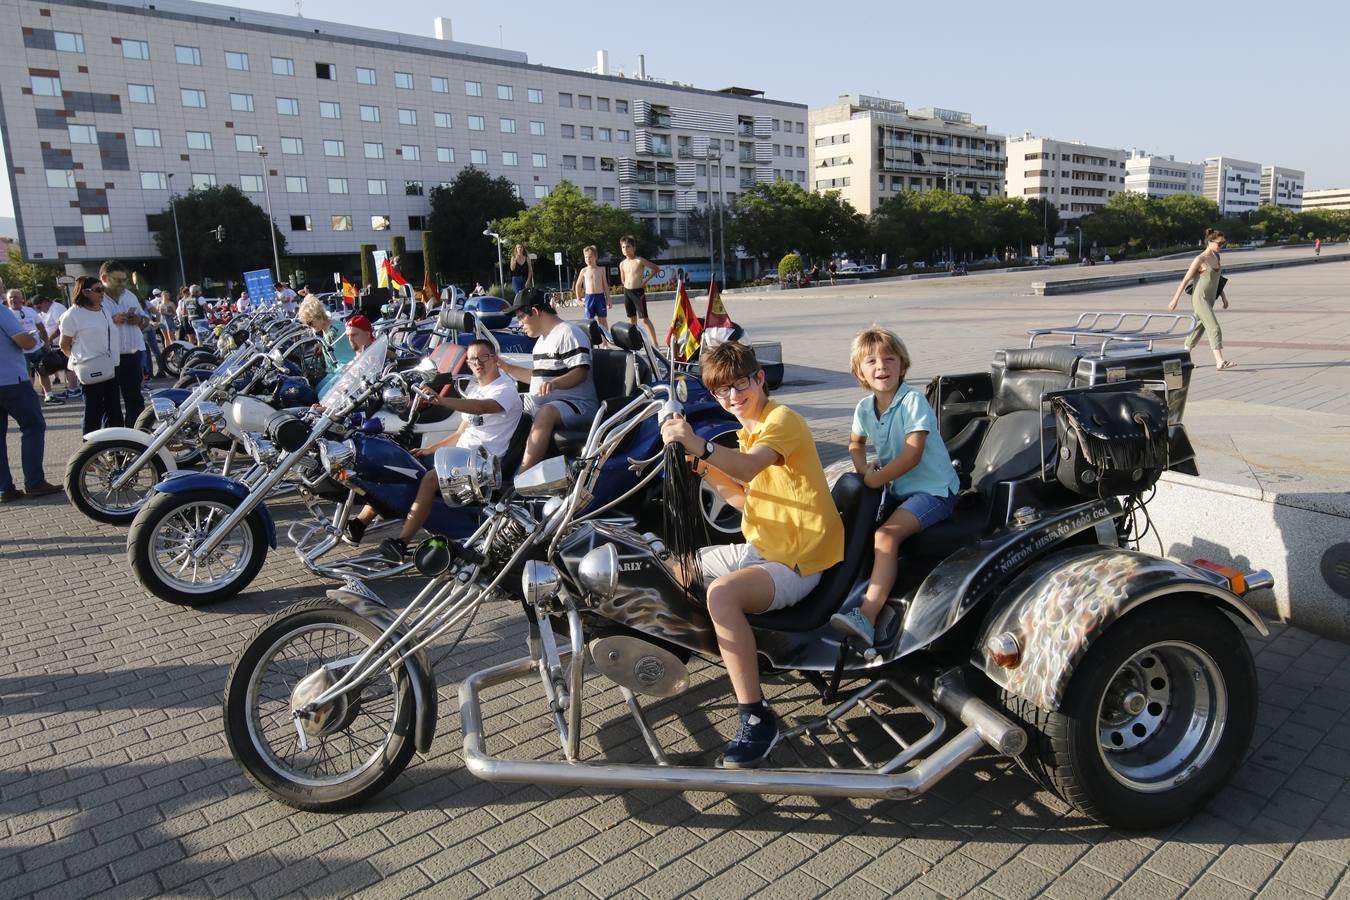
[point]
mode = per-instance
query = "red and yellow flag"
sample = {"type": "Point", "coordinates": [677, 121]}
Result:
{"type": "Point", "coordinates": [716, 314]}
{"type": "Point", "coordinates": [685, 328]}
{"type": "Point", "coordinates": [429, 291]}
{"type": "Point", "coordinates": [348, 291]}
{"type": "Point", "coordinates": [394, 276]}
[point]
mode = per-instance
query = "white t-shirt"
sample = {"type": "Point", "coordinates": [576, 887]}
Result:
{"type": "Point", "coordinates": [493, 430]}
{"type": "Point", "coordinates": [51, 319]}
{"type": "Point", "coordinates": [562, 349]}
{"type": "Point", "coordinates": [28, 318]}
{"type": "Point", "coordinates": [93, 331]}
{"type": "Point", "coordinates": [132, 339]}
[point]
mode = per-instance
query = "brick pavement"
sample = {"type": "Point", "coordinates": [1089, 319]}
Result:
{"type": "Point", "coordinates": [116, 781]}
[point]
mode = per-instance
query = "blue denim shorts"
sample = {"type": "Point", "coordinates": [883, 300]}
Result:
{"type": "Point", "coordinates": [927, 508]}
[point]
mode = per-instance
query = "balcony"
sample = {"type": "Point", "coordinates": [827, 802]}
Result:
{"type": "Point", "coordinates": [686, 153]}
{"type": "Point", "coordinates": [746, 156]}
{"type": "Point", "coordinates": [747, 182]}
{"type": "Point", "coordinates": [656, 120]}
{"type": "Point", "coordinates": [660, 147]}
{"type": "Point", "coordinates": [646, 206]}
{"type": "Point", "coordinates": [746, 129]}
{"type": "Point", "coordinates": [645, 177]}
{"type": "Point", "coordinates": [664, 177]}
{"type": "Point", "coordinates": [666, 206]}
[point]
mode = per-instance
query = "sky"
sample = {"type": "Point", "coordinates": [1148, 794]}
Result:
{"type": "Point", "coordinates": [1264, 82]}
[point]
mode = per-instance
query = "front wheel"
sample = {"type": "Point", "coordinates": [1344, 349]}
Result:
{"type": "Point", "coordinates": [341, 753]}
{"type": "Point", "coordinates": [169, 527]}
{"type": "Point", "coordinates": [173, 356]}
{"type": "Point", "coordinates": [93, 469]}
{"type": "Point", "coordinates": [1155, 719]}
{"type": "Point", "coordinates": [185, 454]}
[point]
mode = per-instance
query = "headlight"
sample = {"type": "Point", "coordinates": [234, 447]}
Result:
{"type": "Point", "coordinates": [165, 410]}
{"type": "Point", "coordinates": [548, 477]}
{"type": "Point", "coordinates": [599, 571]}
{"type": "Point", "coordinates": [289, 432]}
{"type": "Point", "coordinates": [396, 398]}
{"type": "Point", "coordinates": [466, 476]}
{"type": "Point", "coordinates": [263, 451]}
{"type": "Point", "coordinates": [212, 415]}
{"type": "Point", "coordinates": [336, 456]}
{"type": "Point", "coordinates": [539, 582]}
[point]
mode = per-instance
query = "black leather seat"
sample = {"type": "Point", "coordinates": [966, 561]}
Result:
{"type": "Point", "coordinates": [615, 383]}
{"type": "Point", "coordinates": [516, 449]}
{"type": "Point", "coordinates": [857, 505]}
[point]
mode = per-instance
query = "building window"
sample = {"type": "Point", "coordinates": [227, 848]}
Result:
{"type": "Point", "coordinates": [584, 101]}
{"type": "Point", "coordinates": [442, 119]}
{"type": "Point", "coordinates": [297, 184]}
{"type": "Point", "coordinates": [569, 161]}
{"type": "Point", "coordinates": [325, 71]}
{"type": "Point", "coordinates": [283, 65]}
{"type": "Point", "coordinates": [187, 56]}
{"type": "Point", "coordinates": [510, 158]}
{"type": "Point", "coordinates": [568, 131]}
{"type": "Point", "coordinates": [376, 186]}
{"type": "Point", "coordinates": [508, 126]}
{"type": "Point", "coordinates": [364, 75]}
{"type": "Point", "coordinates": [150, 181]}
{"type": "Point", "coordinates": [379, 223]}
{"type": "Point", "coordinates": [407, 116]}
{"type": "Point", "coordinates": [476, 123]}
{"type": "Point", "coordinates": [445, 154]}
{"type": "Point", "coordinates": [374, 150]}
{"type": "Point", "coordinates": [440, 85]}
{"type": "Point", "coordinates": [589, 192]}
{"type": "Point", "coordinates": [251, 184]}
{"type": "Point", "coordinates": [505, 92]}
{"type": "Point", "coordinates": [537, 129]}
{"type": "Point", "coordinates": [141, 93]}
{"type": "Point", "coordinates": [602, 104]}
{"type": "Point", "coordinates": [603, 134]}
{"type": "Point", "coordinates": [607, 194]}
{"type": "Point", "coordinates": [241, 102]}
{"type": "Point", "coordinates": [135, 49]}
{"type": "Point", "coordinates": [622, 136]}
{"type": "Point", "coordinates": [288, 106]}
{"type": "Point", "coordinates": [540, 191]}
{"type": "Point", "coordinates": [201, 181]}
{"type": "Point", "coordinates": [341, 223]}
{"type": "Point", "coordinates": [65, 178]}
{"type": "Point", "coordinates": [621, 106]}
{"type": "Point", "coordinates": [97, 224]}
{"type": "Point", "coordinates": [539, 160]}
{"type": "Point", "coordinates": [478, 157]}
{"type": "Point", "coordinates": [587, 133]}
{"type": "Point", "coordinates": [246, 143]}
{"type": "Point", "coordinates": [301, 223]}
{"type": "Point", "coordinates": [565, 101]}
{"type": "Point", "coordinates": [370, 113]}
{"type": "Point", "coordinates": [515, 191]}
{"type": "Point", "coordinates": [236, 61]}
{"type": "Point", "coordinates": [292, 146]}
{"type": "Point", "coordinates": [417, 223]}
{"type": "Point", "coordinates": [198, 140]}
{"type": "Point", "coordinates": [193, 99]}
{"type": "Point", "coordinates": [68, 41]}
{"type": "Point", "coordinates": [588, 163]}
{"type": "Point", "coordinates": [329, 110]}
{"type": "Point", "coordinates": [82, 134]}
{"type": "Point", "coordinates": [413, 188]}
{"type": "Point", "coordinates": [410, 151]}
{"type": "Point", "coordinates": [403, 81]}
{"type": "Point", "coordinates": [334, 148]}
{"type": "Point", "coordinates": [606, 164]}
{"type": "Point", "coordinates": [534, 95]}
{"type": "Point", "coordinates": [473, 89]}
{"type": "Point", "coordinates": [337, 186]}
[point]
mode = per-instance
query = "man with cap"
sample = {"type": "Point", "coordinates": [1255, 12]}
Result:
{"type": "Point", "coordinates": [360, 333]}
{"type": "Point", "coordinates": [562, 391]}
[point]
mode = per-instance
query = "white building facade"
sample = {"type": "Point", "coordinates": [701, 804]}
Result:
{"type": "Point", "coordinates": [109, 107]}
{"type": "Point", "coordinates": [1282, 187]}
{"type": "Point", "coordinates": [1162, 176]}
{"type": "Point", "coordinates": [1327, 198]}
{"type": "Point", "coordinates": [1077, 178]}
{"type": "Point", "coordinates": [1234, 184]}
{"type": "Point", "coordinates": [870, 148]}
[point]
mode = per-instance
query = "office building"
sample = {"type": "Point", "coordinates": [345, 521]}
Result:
{"type": "Point", "coordinates": [1234, 184]}
{"type": "Point", "coordinates": [1162, 176]}
{"type": "Point", "coordinates": [1078, 178]}
{"type": "Point", "coordinates": [1282, 187]}
{"type": "Point", "coordinates": [870, 148]}
{"type": "Point", "coordinates": [1327, 198]}
{"type": "Point", "coordinates": [109, 107]}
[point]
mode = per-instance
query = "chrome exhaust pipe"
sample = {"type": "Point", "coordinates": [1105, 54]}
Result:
{"type": "Point", "coordinates": [1260, 580]}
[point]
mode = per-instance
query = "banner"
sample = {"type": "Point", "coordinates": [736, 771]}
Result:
{"type": "Point", "coordinates": [381, 274]}
{"type": "Point", "coordinates": [261, 288]}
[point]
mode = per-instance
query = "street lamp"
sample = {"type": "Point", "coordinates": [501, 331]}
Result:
{"type": "Point", "coordinates": [271, 224]}
{"type": "Point", "coordinates": [707, 171]}
{"type": "Point", "coordinates": [721, 223]}
{"type": "Point", "coordinates": [488, 232]}
{"type": "Point", "coordinates": [177, 242]}
{"type": "Point", "coordinates": [1079, 228]}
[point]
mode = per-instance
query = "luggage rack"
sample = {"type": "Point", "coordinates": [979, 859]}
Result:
{"type": "Point", "coordinates": [1123, 330]}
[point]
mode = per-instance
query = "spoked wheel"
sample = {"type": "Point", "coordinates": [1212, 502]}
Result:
{"type": "Point", "coordinates": [724, 520]}
{"type": "Point", "coordinates": [168, 529]}
{"type": "Point", "coordinates": [174, 354]}
{"type": "Point", "coordinates": [93, 469]}
{"type": "Point", "coordinates": [342, 752]}
{"type": "Point", "coordinates": [1156, 717]}
{"type": "Point", "coordinates": [185, 454]}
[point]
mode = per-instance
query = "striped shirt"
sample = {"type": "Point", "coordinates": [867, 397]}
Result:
{"type": "Point", "coordinates": [560, 351]}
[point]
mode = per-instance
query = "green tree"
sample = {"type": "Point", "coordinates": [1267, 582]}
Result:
{"type": "Point", "coordinates": [1124, 223]}
{"type": "Point", "coordinates": [459, 213]}
{"type": "Point", "coordinates": [368, 279]}
{"type": "Point", "coordinates": [772, 219]}
{"type": "Point", "coordinates": [33, 278]}
{"type": "Point", "coordinates": [1182, 219]}
{"type": "Point", "coordinates": [1274, 223]}
{"type": "Point", "coordinates": [567, 220]}
{"type": "Point", "coordinates": [245, 243]}
{"type": "Point", "coordinates": [790, 265]}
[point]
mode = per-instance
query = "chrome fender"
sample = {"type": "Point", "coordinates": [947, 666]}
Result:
{"type": "Point", "coordinates": [132, 434]}
{"type": "Point", "coordinates": [1049, 617]}
{"type": "Point", "coordinates": [181, 482]}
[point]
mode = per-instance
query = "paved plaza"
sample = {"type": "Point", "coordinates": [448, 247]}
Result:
{"type": "Point", "coordinates": [115, 779]}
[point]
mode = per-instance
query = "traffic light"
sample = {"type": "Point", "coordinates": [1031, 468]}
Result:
{"type": "Point", "coordinates": [220, 234]}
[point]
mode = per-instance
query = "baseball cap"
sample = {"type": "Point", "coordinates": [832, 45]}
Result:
{"type": "Point", "coordinates": [529, 298]}
{"type": "Point", "coordinates": [361, 323]}
{"type": "Point", "coordinates": [156, 292]}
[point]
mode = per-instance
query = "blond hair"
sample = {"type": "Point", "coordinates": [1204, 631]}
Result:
{"type": "Point", "coordinates": [869, 341]}
{"type": "Point", "coordinates": [313, 314]}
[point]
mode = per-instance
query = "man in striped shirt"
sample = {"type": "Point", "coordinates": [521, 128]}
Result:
{"type": "Point", "coordinates": [562, 392]}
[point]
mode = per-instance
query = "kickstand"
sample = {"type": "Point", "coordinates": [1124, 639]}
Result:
{"type": "Point", "coordinates": [832, 689]}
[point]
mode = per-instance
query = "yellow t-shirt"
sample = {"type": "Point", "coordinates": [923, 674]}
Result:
{"type": "Point", "coordinates": [789, 516]}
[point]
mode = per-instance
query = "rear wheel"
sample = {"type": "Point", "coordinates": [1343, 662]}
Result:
{"type": "Point", "coordinates": [169, 528]}
{"type": "Point", "coordinates": [185, 454]}
{"type": "Point", "coordinates": [93, 469]}
{"type": "Point", "coordinates": [174, 354]}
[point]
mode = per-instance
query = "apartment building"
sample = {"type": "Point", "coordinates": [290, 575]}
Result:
{"type": "Point", "coordinates": [1282, 187]}
{"type": "Point", "coordinates": [108, 108]}
{"type": "Point", "coordinates": [1162, 176]}
{"type": "Point", "coordinates": [1327, 198]}
{"type": "Point", "coordinates": [871, 148]}
{"type": "Point", "coordinates": [1234, 184]}
{"type": "Point", "coordinates": [1078, 178]}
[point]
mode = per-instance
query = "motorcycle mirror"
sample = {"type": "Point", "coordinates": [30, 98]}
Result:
{"type": "Point", "coordinates": [432, 557]}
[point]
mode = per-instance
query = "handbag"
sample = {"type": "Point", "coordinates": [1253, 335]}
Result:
{"type": "Point", "coordinates": [100, 367]}
{"type": "Point", "coordinates": [1223, 280]}
{"type": "Point", "coordinates": [1110, 442]}
{"type": "Point", "coordinates": [52, 361]}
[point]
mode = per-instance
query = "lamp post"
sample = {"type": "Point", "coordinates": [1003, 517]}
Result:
{"type": "Point", "coordinates": [488, 232]}
{"type": "Point", "coordinates": [271, 225]}
{"type": "Point", "coordinates": [1080, 242]}
{"type": "Point", "coordinates": [721, 222]}
{"type": "Point", "coordinates": [177, 242]}
{"type": "Point", "coordinates": [707, 171]}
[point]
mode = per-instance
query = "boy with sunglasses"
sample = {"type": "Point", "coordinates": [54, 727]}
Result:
{"type": "Point", "coordinates": [792, 528]}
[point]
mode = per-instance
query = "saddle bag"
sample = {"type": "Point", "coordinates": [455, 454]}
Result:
{"type": "Point", "coordinates": [1110, 442]}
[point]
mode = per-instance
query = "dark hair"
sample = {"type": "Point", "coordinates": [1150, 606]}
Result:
{"type": "Point", "coordinates": [533, 298]}
{"type": "Point", "coordinates": [627, 239]}
{"type": "Point", "coordinates": [726, 362]}
{"type": "Point", "coordinates": [110, 266]}
{"type": "Point", "coordinates": [82, 284]}
{"type": "Point", "coordinates": [479, 342]}
{"type": "Point", "coordinates": [1214, 234]}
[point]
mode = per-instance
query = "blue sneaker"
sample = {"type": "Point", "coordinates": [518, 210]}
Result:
{"type": "Point", "coordinates": [756, 737]}
{"type": "Point", "coordinates": [855, 625]}
{"type": "Point", "coordinates": [74, 393]}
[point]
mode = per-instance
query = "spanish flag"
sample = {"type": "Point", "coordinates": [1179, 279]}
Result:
{"type": "Point", "coordinates": [348, 292]}
{"type": "Point", "coordinates": [685, 328]}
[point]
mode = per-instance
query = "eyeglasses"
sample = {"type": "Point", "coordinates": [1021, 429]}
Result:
{"type": "Point", "coordinates": [97, 289]}
{"type": "Point", "coordinates": [740, 385]}
{"type": "Point", "coordinates": [478, 359]}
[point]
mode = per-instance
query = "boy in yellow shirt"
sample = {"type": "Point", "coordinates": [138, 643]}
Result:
{"type": "Point", "coordinates": [792, 528]}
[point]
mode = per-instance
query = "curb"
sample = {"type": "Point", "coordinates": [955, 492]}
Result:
{"type": "Point", "coordinates": [1107, 282]}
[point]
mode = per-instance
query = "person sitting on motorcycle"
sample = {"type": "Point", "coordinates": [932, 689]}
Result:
{"type": "Point", "coordinates": [562, 392]}
{"type": "Point", "coordinates": [313, 314]}
{"type": "Point", "coordinates": [490, 408]}
{"type": "Point", "coordinates": [792, 528]}
{"type": "Point", "coordinates": [912, 463]}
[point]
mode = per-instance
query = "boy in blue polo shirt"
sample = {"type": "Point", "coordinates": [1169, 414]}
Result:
{"type": "Point", "coordinates": [912, 461]}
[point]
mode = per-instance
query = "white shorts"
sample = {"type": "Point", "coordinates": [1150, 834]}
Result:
{"type": "Point", "coordinates": [789, 585]}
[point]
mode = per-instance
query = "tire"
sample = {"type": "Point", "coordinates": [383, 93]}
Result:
{"type": "Point", "coordinates": [100, 461]}
{"type": "Point", "coordinates": [724, 520]}
{"type": "Point", "coordinates": [174, 354]}
{"type": "Point", "coordinates": [200, 358]}
{"type": "Point", "coordinates": [1144, 770]}
{"type": "Point", "coordinates": [254, 736]}
{"type": "Point", "coordinates": [150, 549]}
{"type": "Point", "coordinates": [185, 456]}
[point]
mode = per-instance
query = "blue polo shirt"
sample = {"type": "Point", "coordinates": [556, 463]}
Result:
{"type": "Point", "coordinates": [909, 412]}
{"type": "Point", "coordinates": [13, 365]}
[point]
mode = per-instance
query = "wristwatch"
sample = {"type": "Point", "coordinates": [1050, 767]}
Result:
{"type": "Point", "coordinates": [708, 448]}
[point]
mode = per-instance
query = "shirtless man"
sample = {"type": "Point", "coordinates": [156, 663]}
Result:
{"type": "Point", "coordinates": [635, 273]}
{"type": "Point", "coordinates": [595, 296]}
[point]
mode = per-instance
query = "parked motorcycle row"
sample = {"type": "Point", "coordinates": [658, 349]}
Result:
{"type": "Point", "coordinates": [1032, 624]}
